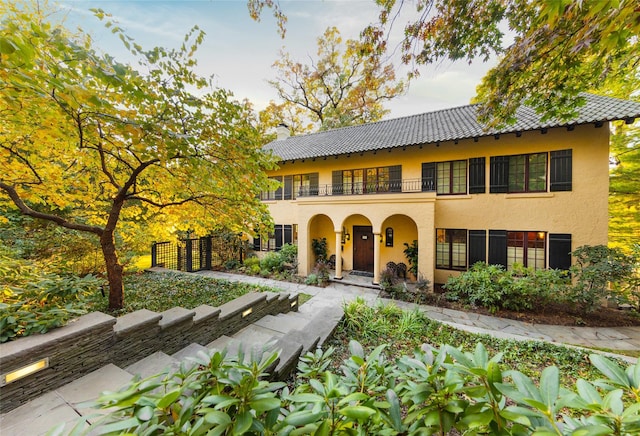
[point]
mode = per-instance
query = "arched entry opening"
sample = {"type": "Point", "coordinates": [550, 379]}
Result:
{"type": "Point", "coordinates": [321, 229]}
{"type": "Point", "coordinates": [396, 231]}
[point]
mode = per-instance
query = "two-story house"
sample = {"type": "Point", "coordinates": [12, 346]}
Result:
{"type": "Point", "coordinates": [528, 193]}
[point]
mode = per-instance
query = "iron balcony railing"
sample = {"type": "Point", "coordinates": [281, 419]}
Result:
{"type": "Point", "coordinates": [408, 185]}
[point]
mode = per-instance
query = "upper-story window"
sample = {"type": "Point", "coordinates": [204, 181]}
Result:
{"type": "Point", "coordinates": [367, 180]}
{"type": "Point", "coordinates": [291, 187]}
{"type": "Point", "coordinates": [452, 177]}
{"type": "Point", "coordinates": [529, 172]}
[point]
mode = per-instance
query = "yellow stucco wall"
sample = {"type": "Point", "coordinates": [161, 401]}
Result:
{"type": "Point", "coordinates": [581, 212]}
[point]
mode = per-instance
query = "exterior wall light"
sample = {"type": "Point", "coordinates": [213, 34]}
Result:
{"type": "Point", "coordinates": [24, 371]}
{"type": "Point", "coordinates": [345, 235]}
{"type": "Point", "coordinates": [247, 312]}
{"type": "Point", "coordinates": [294, 303]}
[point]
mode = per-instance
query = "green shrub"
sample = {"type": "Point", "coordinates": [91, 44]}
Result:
{"type": "Point", "coordinates": [411, 253]}
{"type": "Point", "coordinates": [596, 267]}
{"type": "Point", "coordinates": [289, 254]}
{"type": "Point", "coordinates": [272, 262]}
{"type": "Point", "coordinates": [520, 288]}
{"type": "Point", "coordinates": [231, 264]}
{"type": "Point", "coordinates": [251, 265]}
{"type": "Point", "coordinates": [483, 285]}
{"type": "Point", "coordinates": [435, 391]}
{"type": "Point", "coordinates": [35, 302]}
{"type": "Point", "coordinates": [311, 279]}
{"type": "Point", "coordinates": [319, 248]}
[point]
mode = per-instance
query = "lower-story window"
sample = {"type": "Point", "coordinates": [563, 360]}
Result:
{"type": "Point", "coordinates": [526, 248]}
{"type": "Point", "coordinates": [282, 234]}
{"type": "Point", "coordinates": [451, 249]}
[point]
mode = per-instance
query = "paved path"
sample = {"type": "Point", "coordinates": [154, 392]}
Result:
{"type": "Point", "coordinates": [619, 338]}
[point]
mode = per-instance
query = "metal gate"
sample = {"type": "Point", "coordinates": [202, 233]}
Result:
{"type": "Point", "coordinates": [196, 254]}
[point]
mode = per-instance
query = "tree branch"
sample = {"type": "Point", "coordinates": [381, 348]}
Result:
{"type": "Point", "coordinates": [26, 210]}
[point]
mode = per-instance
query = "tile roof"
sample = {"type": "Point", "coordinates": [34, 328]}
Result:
{"type": "Point", "coordinates": [439, 126]}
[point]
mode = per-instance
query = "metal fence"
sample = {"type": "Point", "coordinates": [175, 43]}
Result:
{"type": "Point", "coordinates": [197, 254]}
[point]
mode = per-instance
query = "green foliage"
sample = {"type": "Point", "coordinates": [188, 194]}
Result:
{"type": "Point", "coordinates": [404, 331]}
{"type": "Point", "coordinates": [547, 57]}
{"type": "Point", "coordinates": [272, 262]}
{"type": "Point", "coordinates": [289, 254]}
{"type": "Point", "coordinates": [519, 289]}
{"type": "Point", "coordinates": [435, 391]}
{"type": "Point", "coordinates": [213, 395]}
{"type": "Point", "coordinates": [411, 253]}
{"type": "Point", "coordinates": [596, 267]}
{"type": "Point", "coordinates": [152, 150]}
{"type": "Point", "coordinates": [34, 301]}
{"type": "Point", "coordinates": [161, 291]}
{"type": "Point", "coordinates": [319, 248]}
{"type": "Point", "coordinates": [311, 279]}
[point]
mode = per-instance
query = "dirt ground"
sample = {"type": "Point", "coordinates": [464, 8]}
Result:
{"type": "Point", "coordinates": [556, 315]}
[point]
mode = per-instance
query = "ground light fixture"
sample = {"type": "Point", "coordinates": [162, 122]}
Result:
{"type": "Point", "coordinates": [19, 373]}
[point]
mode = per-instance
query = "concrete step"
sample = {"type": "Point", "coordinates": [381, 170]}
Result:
{"type": "Point", "coordinates": [220, 343]}
{"type": "Point", "coordinates": [154, 364]}
{"type": "Point", "coordinates": [38, 416]}
{"type": "Point", "coordinates": [256, 334]}
{"type": "Point", "coordinates": [66, 405]}
{"type": "Point", "coordinates": [283, 323]}
{"type": "Point", "coordinates": [325, 322]}
{"type": "Point", "coordinates": [190, 352]}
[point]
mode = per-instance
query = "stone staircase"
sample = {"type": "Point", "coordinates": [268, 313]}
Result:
{"type": "Point", "coordinates": [292, 333]}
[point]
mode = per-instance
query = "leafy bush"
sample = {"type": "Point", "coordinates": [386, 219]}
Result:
{"type": "Point", "coordinates": [231, 264]}
{"type": "Point", "coordinates": [435, 391]}
{"type": "Point", "coordinates": [483, 285]}
{"type": "Point", "coordinates": [411, 253]}
{"type": "Point", "coordinates": [289, 254]}
{"type": "Point", "coordinates": [319, 248]}
{"type": "Point", "coordinates": [251, 265]}
{"type": "Point", "coordinates": [596, 267]}
{"type": "Point", "coordinates": [494, 288]}
{"type": "Point", "coordinates": [311, 279]}
{"type": "Point", "coordinates": [35, 301]}
{"type": "Point", "coordinates": [272, 262]}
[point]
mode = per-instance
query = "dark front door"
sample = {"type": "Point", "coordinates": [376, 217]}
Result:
{"type": "Point", "coordinates": [363, 248]}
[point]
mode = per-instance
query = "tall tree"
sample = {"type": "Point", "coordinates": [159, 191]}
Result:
{"type": "Point", "coordinates": [89, 143]}
{"type": "Point", "coordinates": [344, 85]}
{"type": "Point", "coordinates": [624, 181]}
{"type": "Point", "coordinates": [560, 47]}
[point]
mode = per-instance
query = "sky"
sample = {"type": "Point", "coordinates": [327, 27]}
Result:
{"type": "Point", "coordinates": [239, 51]}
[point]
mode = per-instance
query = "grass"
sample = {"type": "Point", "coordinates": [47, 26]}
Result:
{"type": "Point", "coordinates": [404, 332]}
{"type": "Point", "coordinates": [161, 291]}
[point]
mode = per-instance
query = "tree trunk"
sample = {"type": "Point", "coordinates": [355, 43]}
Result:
{"type": "Point", "coordinates": [114, 271]}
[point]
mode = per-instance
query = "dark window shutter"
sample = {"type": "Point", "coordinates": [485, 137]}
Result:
{"type": "Point", "coordinates": [288, 187]}
{"type": "Point", "coordinates": [428, 176]}
{"type": "Point", "coordinates": [279, 189]}
{"type": "Point", "coordinates": [559, 251]}
{"type": "Point", "coordinates": [278, 236]}
{"type": "Point", "coordinates": [561, 170]}
{"type": "Point", "coordinates": [256, 243]}
{"type": "Point", "coordinates": [336, 182]}
{"type": "Point", "coordinates": [477, 246]}
{"type": "Point", "coordinates": [477, 175]}
{"type": "Point", "coordinates": [498, 247]}
{"type": "Point", "coordinates": [313, 184]}
{"type": "Point", "coordinates": [499, 174]}
{"type": "Point", "coordinates": [288, 234]}
{"type": "Point", "coordinates": [395, 178]}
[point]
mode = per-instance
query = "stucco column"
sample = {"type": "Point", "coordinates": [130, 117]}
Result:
{"type": "Point", "coordinates": [376, 258]}
{"type": "Point", "coordinates": [338, 275]}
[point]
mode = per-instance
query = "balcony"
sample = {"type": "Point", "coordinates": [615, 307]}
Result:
{"type": "Point", "coordinates": [404, 186]}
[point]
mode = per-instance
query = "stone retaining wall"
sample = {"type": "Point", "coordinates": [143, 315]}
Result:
{"type": "Point", "coordinates": [96, 339]}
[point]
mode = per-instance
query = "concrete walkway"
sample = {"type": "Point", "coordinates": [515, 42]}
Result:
{"type": "Point", "coordinates": [619, 338]}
